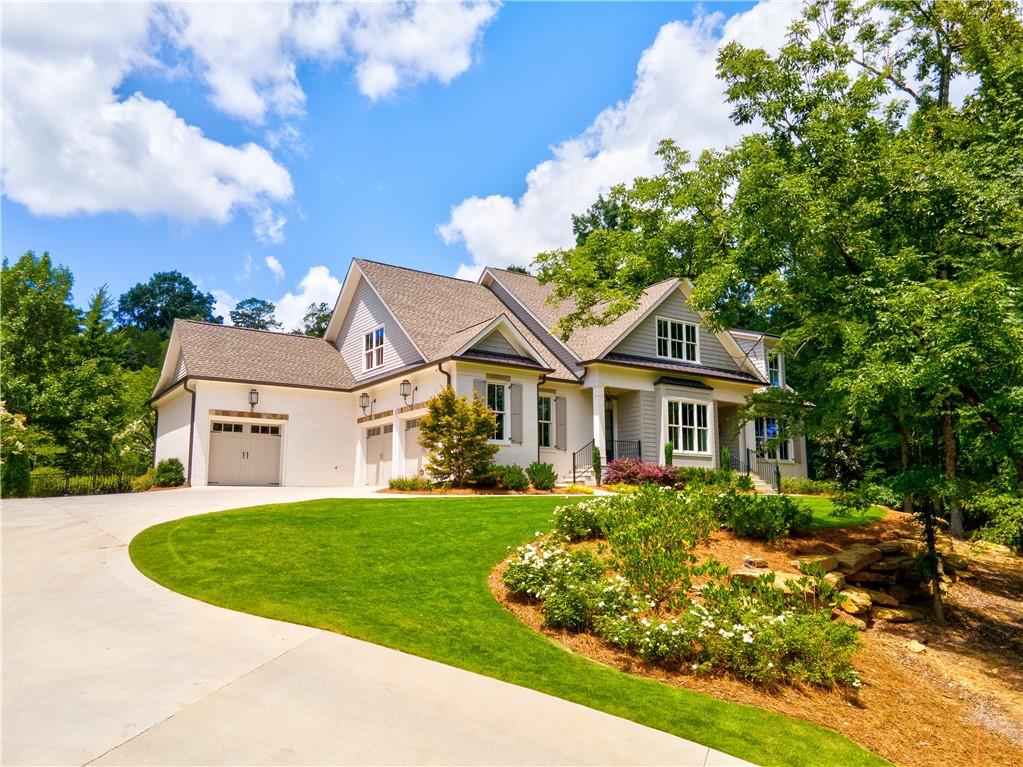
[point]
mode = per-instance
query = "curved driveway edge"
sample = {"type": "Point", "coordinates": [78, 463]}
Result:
{"type": "Point", "coordinates": [101, 665]}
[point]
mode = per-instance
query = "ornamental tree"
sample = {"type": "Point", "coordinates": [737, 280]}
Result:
{"type": "Point", "coordinates": [457, 434]}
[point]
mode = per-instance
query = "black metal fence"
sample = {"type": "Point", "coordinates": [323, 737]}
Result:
{"type": "Point", "coordinates": [51, 482]}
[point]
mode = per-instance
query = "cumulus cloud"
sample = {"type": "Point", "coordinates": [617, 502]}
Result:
{"type": "Point", "coordinates": [71, 145]}
{"type": "Point", "coordinates": [275, 267]}
{"type": "Point", "coordinates": [317, 285]}
{"type": "Point", "coordinates": [223, 303]}
{"type": "Point", "coordinates": [675, 95]}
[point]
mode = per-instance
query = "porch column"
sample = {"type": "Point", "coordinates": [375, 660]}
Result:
{"type": "Point", "coordinates": [598, 420]}
{"type": "Point", "coordinates": [397, 446]}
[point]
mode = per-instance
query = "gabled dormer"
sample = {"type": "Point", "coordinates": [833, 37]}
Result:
{"type": "Point", "coordinates": [761, 349]}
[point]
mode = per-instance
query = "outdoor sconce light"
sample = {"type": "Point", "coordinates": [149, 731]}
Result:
{"type": "Point", "coordinates": [405, 389]}
{"type": "Point", "coordinates": [253, 399]}
{"type": "Point", "coordinates": [364, 402]}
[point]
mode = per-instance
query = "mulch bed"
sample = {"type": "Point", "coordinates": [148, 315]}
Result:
{"type": "Point", "coordinates": [958, 703]}
{"type": "Point", "coordinates": [478, 491]}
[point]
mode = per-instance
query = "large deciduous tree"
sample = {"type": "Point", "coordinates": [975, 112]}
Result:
{"type": "Point", "coordinates": [316, 319]}
{"type": "Point", "coordinates": [255, 313]}
{"type": "Point", "coordinates": [154, 305]}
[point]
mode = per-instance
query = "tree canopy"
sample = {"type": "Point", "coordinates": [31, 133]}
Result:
{"type": "Point", "coordinates": [255, 313]}
{"type": "Point", "coordinates": [154, 305]}
{"type": "Point", "coordinates": [316, 319]}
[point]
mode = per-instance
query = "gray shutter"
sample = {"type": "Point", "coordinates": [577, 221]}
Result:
{"type": "Point", "coordinates": [516, 412]}
{"type": "Point", "coordinates": [480, 387]}
{"type": "Point", "coordinates": [560, 423]}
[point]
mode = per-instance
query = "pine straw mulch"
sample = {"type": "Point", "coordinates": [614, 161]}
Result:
{"type": "Point", "coordinates": [958, 703]}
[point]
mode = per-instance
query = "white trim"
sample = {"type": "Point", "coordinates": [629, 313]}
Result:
{"type": "Point", "coordinates": [551, 422]}
{"type": "Point", "coordinates": [499, 322]}
{"type": "Point", "coordinates": [505, 430]}
{"type": "Point", "coordinates": [488, 272]}
{"type": "Point", "coordinates": [711, 425]}
{"type": "Point", "coordinates": [684, 323]}
{"type": "Point", "coordinates": [373, 349]}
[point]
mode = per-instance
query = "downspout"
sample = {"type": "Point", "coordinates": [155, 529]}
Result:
{"type": "Point", "coordinates": [447, 375]}
{"type": "Point", "coordinates": [156, 432]}
{"type": "Point", "coordinates": [539, 383]}
{"type": "Point", "coordinates": [191, 434]}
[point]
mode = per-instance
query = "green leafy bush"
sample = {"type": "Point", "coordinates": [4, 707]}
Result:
{"type": "Point", "coordinates": [415, 483]}
{"type": "Point", "coordinates": [169, 473]}
{"type": "Point", "coordinates": [802, 486]}
{"type": "Point", "coordinates": [580, 521]}
{"type": "Point", "coordinates": [595, 454]}
{"type": "Point", "coordinates": [145, 481]}
{"type": "Point", "coordinates": [536, 568]}
{"type": "Point", "coordinates": [693, 476]}
{"type": "Point", "coordinates": [542, 475]}
{"type": "Point", "coordinates": [512, 477]}
{"type": "Point", "coordinates": [880, 494]}
{"type": "Point", "coordinates": [652, 534]}
{"type": "Point", "coordinates": [765, 517]}
{"type": "Point", "coordinates": [849, 503]}
{"type": "Point", "coordinates": [1004, 515]}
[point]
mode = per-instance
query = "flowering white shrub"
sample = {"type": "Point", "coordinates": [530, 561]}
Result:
{"type": "Point", "coordinates": [581, 521]}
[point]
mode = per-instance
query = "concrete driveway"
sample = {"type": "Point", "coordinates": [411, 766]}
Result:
{"type": "Point", "coordinates": [103, 666]}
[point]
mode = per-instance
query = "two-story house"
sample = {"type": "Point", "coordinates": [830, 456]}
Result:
{"type": "Point", "coordinates": [252, 407]}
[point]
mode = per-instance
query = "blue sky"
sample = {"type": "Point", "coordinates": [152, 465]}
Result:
{"type": "Point", "coordinates": [430, 171]}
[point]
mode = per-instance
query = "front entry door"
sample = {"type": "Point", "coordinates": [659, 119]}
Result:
{"type": "Point", "coordinates": [609, 431]}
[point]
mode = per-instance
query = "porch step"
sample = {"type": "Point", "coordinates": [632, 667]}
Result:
{"type": "Point", "coordinates": [761, 487]}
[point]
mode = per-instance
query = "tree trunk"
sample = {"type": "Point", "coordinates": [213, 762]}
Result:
{"type": "Point", "coordinates": [907, 499]}
{"type": "Point", "coordinates": [930, 539]}
{"type": "Point", "coordinates": [955, 506]}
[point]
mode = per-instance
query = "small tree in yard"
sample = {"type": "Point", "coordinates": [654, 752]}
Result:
{"type": "Point", "coordinates": [457, 435]}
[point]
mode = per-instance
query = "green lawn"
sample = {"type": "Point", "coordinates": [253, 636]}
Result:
{"type": "Point", "coordinates": [412, 574]}
{"type": "Point", "coordinates": [822, 506]}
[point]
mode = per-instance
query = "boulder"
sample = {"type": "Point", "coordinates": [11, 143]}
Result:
{"type": "Point", "coordinates": [954, 563]}
{"type": "Point", "coordinates": [748, 574]}
{"type": "Point", "coordinates": [754, 563]}
{"type": "Point", "coordinates": [890, 547]}
{"type": "Point", "coordinates": [865, 576]}
{"type": "Point", "coordinates": [899, 592]}
{"type": "Point", "coordinates": [826, 562]}
{"type": "Point", "coordinates": [911, 546]}
{"type": "Point", "coordinates": [856, 557]}
{"type": "Point", "coordinates": [782, 581]}
{"type": "Point", "coordinates": [881, 598]}
{"type": "Point", "coordinates": [915, 646]}
{"type": "Point", "coordinates": [987, 547]}
{"type": "Point", "coordinates": [835, 580]}
{"type": "Point", "coordinates": [898, 614]}
{"type": "Point", "coordinates": [844, 617]}
{"type": "Point", "coordinates": [855, 601]}
{"type": "Point", "coordinates": [891, 564]}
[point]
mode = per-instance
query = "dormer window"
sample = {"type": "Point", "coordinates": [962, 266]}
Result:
{"type": "Point", "coordinates": [677, 340]}
{"type": "Point", "coordinates": [774, 369]}
{"type": "Point", "coordinates": [374, 349]}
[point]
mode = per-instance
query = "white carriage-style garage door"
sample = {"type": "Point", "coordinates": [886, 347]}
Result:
{"type": "Point", "coordinates": [379, 441]}
{"type": "Point", "coordinates": [244, 454]}
{"type": "Point", "coordinates": [413, 452]}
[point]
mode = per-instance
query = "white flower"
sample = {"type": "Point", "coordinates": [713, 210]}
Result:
{"type": "Point", "coordinates": [747, 638]}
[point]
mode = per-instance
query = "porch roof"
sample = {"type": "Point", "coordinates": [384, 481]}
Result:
{"type": "Point", "coordinates": [702, 371]}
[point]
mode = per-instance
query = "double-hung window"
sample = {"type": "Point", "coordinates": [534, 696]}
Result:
{"type": "Point", "coordinates": [688, 429]}
{"type": "Point", "coordinates": [768, 430]}
{"type": "Point", "coordinates": [544, 420]}
{"type": "Point", "coordinates": [496, 401]}
{"type": "Point", "coordinates": [677, 340]}
{"type": "Point", "coordinates": [373, 349]}
{"type": "Point", "coordinates": [774, 369]}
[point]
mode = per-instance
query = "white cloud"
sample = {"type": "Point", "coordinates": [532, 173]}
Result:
{"type": "Point", "coordinates": [246, 271]}
{"type": "Point", "coordinates": [275, 267]}
{"type": "Point", "coordinates": [268, 225]}
{"type": "Point", "coordinates": [317, 285]}
{"type": "Point", "coordinates": [72, 146]}
{"type": "Point", "coordinates": [223, 303]}
{"type": "Point", "coordinates": [675, 95]}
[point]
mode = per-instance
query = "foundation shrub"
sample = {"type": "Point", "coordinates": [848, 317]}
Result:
{"type": "Point", "coordinates": [418, 484]}
{"type": "Point", "coordinates": [169, 473]}
{"type": "Point", "coordinates": [632, 471]}
{"type": "Point", "coordinates": [542, 475]}
{"type": "Point", "coordinates": [512, 477]}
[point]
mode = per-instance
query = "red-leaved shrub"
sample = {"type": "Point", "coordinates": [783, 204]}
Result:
{"type": "Point", "coordinates": [632, 471]}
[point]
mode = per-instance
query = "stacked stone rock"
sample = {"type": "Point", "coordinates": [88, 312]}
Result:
{"type": "Point", "coordinates": [879, 580]}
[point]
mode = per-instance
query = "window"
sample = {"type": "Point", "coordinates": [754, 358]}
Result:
{"type": "Point", "coordinates": [412, 423]}
{"type": "Point", "coordinates": [374, 349]}
{"type": "Point", "coordinates": [236, 428]}
{"type": "Point", "coordinates": [774, 369]}
{"type": "Point", "coordinates": [768, 430]}
{"type": "Point", "coordinates": [687, 426]}
{"type": "Point", "coordinates": [262, 429]}
{"type": "Point", "coordinates": [496, 396]}
{"type": "Point", "coordinates": [677, 340]}
{"type": "Point", "coordinates": [544, 413]}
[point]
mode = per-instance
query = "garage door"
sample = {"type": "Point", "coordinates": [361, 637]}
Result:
{"type": "Point", "coordinates": [244, 454]}
{"type": "Point", "coordinates": [379, 440]}
{"type": "Point", "coordinates": [413, 452]}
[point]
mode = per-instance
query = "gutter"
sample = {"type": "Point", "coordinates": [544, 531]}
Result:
{"type": "Point", "coordinates": [447, 375]}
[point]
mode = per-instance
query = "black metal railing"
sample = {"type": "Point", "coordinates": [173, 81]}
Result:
{"type": "Point", "coordinates": [52, 482]}
{"type": "Point", "coordinates": [624, 448]}
{"type": "Point", "coordinates": [582, 461]}
{"type": "Point", "coordinates": [765, 469]}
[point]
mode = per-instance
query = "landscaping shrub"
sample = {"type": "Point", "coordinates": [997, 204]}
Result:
{"type": "Point", "coordinates": [808, 486]}
{"type": "Point", "coordinates": [632, 471]}
{"type": "Point", "coordinates": [694, 476]}
{"type": "Point", "coordinates": [15, 476]}
{"type": "Point", "coordinates": [652, 534]}
{"type": "Point", "coordinates": [764, 517]}
{"type": "Point", "coordinates": [580, 521]}
{"type": "Point", "coordinates": [542, 475]}
{"type": "Point", "coordinates": [169, 473]}
{"type": "Point", "coordinates": [595, 455]}
{"type": "Point", "coordinates": [669, 453]}
{"type": "Point", "coordinates": [849, 503]}
{"type": "Point", "coordinates": [457, 433]}
{"type": "Point", "coordinates": [537, 567]}
{"type": "Point", "coordinates": [578, 489]}
{"type": "Point", "coordinates": [882, 495]}
{"type": "Point", "coordinates": [415, 483]}
{"type": "Point", "coordinates": [145, 481]}
{"type": "Point", "coordinates": [512, 477]}
{"type": "Point", "coordinates": [1005, 519]}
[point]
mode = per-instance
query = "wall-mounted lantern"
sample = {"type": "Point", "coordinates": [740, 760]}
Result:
{"type": "Point", "coordinates": [364, 402]}
{"type": "Point", "coordinates": [253, 399]}
{"type": "Point", "coordinates": [405, 389]}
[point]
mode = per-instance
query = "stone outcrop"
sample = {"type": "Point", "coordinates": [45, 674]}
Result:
{"type": "Point", "coordinates": [857, 557]}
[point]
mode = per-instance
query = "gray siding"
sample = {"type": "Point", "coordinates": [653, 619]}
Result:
{"type": "Point", "coordinates": [179, 369]}
{"type": "Point", "coordinates": [630, 416]}
{"type": "Point", "coordinates": [648, 426]}
{"type": "Point", "coordinates": [366, 313]}
{"type": "Point", "coordinates": [642, 341]}
{"type": "Point", "coordinates": [755, 350]}
{"type": "Point", "coordinates": [559, 351]}
{"type": "Point", "coordinates": [728, 429]}
{"type": "Point", "coordinates": [496, 343]}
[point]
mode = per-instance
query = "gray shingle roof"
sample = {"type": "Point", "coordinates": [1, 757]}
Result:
{"type": "Point", "coordinates": [441, 314]}
{"type": "Point", "coordinates": [230, 353]}
{"type": "Point", "coordinates": [586, 342]}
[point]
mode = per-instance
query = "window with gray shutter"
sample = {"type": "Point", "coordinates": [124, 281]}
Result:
{"type": "Point", "coordinates": [560, 423]}
{"type": "Point", "coordinates": [516, 412]}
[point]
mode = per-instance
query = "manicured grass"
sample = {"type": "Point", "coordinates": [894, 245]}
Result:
{"type": "Point", "coordinates": [412, 574]}
{"type": "Point", "coordinates": [822, 507]}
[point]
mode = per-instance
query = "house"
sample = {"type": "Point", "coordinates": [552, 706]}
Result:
{"type": "Point", "coordinates": [251, 407]}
